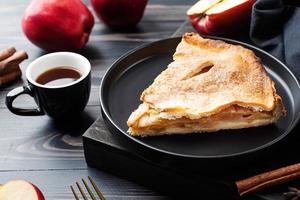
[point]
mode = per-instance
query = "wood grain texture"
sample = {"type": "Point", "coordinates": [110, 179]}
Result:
{"type": "Point", "coordinates": [48, 153]}
{"type": "Point", "coordinates": [55, 184]}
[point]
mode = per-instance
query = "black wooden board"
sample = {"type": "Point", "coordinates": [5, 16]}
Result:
{"type": "Point", "coordinates": [116, 154]}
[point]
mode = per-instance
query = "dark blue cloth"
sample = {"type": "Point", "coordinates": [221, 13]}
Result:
{"type": "Point", "coordinates": [275, 27]}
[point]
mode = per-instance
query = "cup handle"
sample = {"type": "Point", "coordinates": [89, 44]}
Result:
{"type": "Point", "coordinates": [13, 94]}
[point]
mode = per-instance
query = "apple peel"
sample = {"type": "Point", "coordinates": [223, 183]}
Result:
{"type": "Point", "coordinates": [121, 13]}
{"type": "Point", "coordinates": [58, 25]}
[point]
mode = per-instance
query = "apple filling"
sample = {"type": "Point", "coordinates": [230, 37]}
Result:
{"type": "Point", "coordinates": [234, 117]}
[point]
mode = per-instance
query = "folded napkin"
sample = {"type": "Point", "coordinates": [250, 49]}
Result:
{"type": "Point", "coordinates": [275, 27]}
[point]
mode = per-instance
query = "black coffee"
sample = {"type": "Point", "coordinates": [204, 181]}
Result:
{"type": "Point", "coordinates": [58, 76]}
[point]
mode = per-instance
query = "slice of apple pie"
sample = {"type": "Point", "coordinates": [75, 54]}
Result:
{"type": "Point", "coordinates": [210, 85]}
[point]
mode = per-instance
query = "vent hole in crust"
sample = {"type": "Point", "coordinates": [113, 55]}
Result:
{"type": "Point", "coordinates": [201, 71]}
{"type": "Point", "coordinates": [204, 70]}
{"type": "Point", "coordinates": [248, 115]}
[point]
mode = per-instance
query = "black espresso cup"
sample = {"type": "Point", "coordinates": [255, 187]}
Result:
{"type": "Point", "coordinates": [59, 102]}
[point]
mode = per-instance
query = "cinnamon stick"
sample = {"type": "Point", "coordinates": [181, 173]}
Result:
{"type": "Point", "coordinates": [268, 179]}
{"type": "Point", "coordinates": [10, 60]}
{"type": "Point", "coordinates": [10, 76]}
{"type": "Point", "coordinates": [5, 53]}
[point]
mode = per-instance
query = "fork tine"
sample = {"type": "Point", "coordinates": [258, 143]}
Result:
{"type": "Point", "coordinates": [96, 189]}
{"type": "Point", "coordinates": [88, 189]}
{"type": "Point", "coordinates": [81, 191]}
{"type": "Point", "coordinates": [74, 193]}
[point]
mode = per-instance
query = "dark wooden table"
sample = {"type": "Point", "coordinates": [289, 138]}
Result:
{"type": "Point", "coordinates": [50, 154]}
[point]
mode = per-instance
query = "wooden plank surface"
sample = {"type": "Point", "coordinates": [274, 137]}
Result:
{"type": "Point", "coordinates": [48, 153]}
{"type": "Point", "coordinates": [55, 184]}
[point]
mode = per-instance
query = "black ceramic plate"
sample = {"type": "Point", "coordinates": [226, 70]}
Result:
{"type": "Point", "coordinates": [131, 74]}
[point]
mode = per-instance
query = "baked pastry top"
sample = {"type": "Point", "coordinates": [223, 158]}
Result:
{"type": "Point", "coordinates": [210, 85]}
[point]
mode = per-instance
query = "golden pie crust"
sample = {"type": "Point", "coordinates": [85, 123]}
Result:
{"type": "Point", "coordinates": [210, 86]}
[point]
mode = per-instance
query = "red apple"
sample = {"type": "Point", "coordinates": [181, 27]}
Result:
{"type": "Point", "coordinates": [222, 17]}
{"type": "Point", "coordinates": [58, 25]}
{"type": "Point", "coordinates": [119, 13]}
{"type": "Point", "coordinates": [20, 190]}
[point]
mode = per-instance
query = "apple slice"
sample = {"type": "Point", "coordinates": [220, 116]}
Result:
{"type": "Point", "coordinates": [224, 17]}
{"type": "Point", "coordinates": [201, 6]}
{"type": "Point", "coordinates": [20, 190]}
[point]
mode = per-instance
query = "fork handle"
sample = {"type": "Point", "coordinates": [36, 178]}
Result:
{"type": "Point", "coordinates": [268, 179]}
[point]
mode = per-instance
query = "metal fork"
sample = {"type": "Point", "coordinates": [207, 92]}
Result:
{"type": "Point", "coordinates": [96, 188]}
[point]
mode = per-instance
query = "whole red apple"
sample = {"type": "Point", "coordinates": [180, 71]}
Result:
{"type": "Point", "coordinates": [20, 190]}
{"type": "Point", "coordinates": [58, 25]}
{"type": "Point", "coordinates": [119, 13]}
